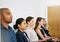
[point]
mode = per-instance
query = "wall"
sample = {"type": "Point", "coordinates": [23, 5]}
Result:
{"type": "Point", "coordinates": [24, 8]}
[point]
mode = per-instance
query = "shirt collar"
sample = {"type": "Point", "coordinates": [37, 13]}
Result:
{"type": "Point", "coordinates": [3, 27]}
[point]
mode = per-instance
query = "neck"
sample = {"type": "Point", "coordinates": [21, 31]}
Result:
{"type": "Point", "coordinates": [39, 26]}
{"type": "Point", "coordinates": [5, 24]}
{"type": "Point", "coordinates": [21, 30]}
{"type": "Point", "coordinates": [28, 25]}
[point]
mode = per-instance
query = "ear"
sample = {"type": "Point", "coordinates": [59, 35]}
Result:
{"type": "Point", "coordinates": [19, 25]}
{"type": "Point", "coordinates": [28, 22]}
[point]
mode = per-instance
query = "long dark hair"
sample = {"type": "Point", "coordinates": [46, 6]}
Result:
{"type": "Point", "coordinates": [18, 21]}
{"type": "Point", "coordinates": [37, 22]}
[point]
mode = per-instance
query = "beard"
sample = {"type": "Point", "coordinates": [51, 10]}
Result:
{"type": "Point", "coordinates": [8, 21]}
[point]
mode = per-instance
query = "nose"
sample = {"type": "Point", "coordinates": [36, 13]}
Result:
{"type": "Point", "coordinates": [11, 16]}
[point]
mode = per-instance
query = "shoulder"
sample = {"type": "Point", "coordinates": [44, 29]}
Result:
{"type": "Point", "coordinates": [18, 33]}
{"type": "Point", "coordinates": [10, 28]}
{"type": "Point", "coordinates": [19, 36]}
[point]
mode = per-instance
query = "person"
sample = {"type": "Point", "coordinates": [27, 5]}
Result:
{"type": "Point", "coordinates": [30, 29]}
{"type": "Point", "coordinates": [40, 31]}
{"type": "Point", "coordinates": [7, 34]}
{"type": "Point", "coordinates": [20, 34]}
{"type": "Point", "coordinates": [45, 26]}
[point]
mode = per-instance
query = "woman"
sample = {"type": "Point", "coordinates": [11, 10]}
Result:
{"type": "Point", "coordinates": [38, 28]}
{"type": "Point", "coordinates": [40, 31]}
{"type": "Point", "coordinates": [20, 34]}
{"type": "Point", "coordinates": [44, 26]}
{"type": "Point", "coordinates": [30, 29]}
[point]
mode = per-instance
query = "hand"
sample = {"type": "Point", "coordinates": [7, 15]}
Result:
{"type": "Point", "coordinates": [41, 41]}
{"type": "Point", "coordinates": [55, 39]}
{"type": "Point", "coordinates": [45, 39]}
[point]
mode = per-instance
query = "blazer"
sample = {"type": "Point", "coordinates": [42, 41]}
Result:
{"type": "Point", "coordinates": [21, 37]}
{"type": "Point", "coordinates": [46, 31]}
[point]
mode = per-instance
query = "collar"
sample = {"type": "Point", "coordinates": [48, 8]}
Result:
{"type": "Point", "coordinates": [3, 27]}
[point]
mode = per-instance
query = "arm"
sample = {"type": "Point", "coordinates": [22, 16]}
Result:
{"type": "Point", "coordinates": [39, 33]}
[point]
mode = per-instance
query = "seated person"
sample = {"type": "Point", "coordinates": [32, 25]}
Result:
{"type": "Point", "coordinates": [40, 31]}
{"type": "Point", "coordinates": [45, 27]}
{"type": "Point", "coordinates": [20, 34]}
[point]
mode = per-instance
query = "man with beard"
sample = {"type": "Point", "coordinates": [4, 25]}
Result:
{"type": "Point", "coordinates": [7, 34]}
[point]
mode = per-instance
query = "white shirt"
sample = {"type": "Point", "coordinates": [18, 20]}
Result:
{"type": "Point", "coordinates": [31, 34]}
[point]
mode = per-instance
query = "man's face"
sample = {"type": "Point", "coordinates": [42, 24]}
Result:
{"type": "Point", "coordinates": [7, 16]}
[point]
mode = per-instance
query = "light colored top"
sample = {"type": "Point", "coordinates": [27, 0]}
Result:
{"type": "Point", "coordinates": [32, 34]}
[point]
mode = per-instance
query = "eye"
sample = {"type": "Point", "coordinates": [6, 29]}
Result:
{"type": "Point", "coordinates": [8, 13]}
{"type": "Point", "coordinates": [24, 23]}
{"type": "Point", "coordinates": [32, 21]}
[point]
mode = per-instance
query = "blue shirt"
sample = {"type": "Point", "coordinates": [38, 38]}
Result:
{"type": "Point", "coordinates": [7, 35]}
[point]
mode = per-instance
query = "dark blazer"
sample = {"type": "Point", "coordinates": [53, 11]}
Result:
{"type": "Point", "coordinates": [21, 37]}
{"type": "Point", "coordinates": [46, 31]}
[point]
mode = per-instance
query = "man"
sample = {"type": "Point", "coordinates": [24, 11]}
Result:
{"type": "Point", "coordinates": [7, 34]}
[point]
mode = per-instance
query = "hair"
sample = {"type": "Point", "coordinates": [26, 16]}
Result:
{"type": "Point", "coordinates": [18, 21]}
{"type": "Point", "coordinates": [43, 18]}
{"type": "Point", "coordinates": [37, 22]}
{"type": "Point", "coordinates": [28, 19]}
{"type": "Point", "coordinates": [1, 10]}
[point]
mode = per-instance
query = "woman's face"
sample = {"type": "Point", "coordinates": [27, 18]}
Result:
{"type": "Point", "coordinates": [41, 22]}
{"type": "Point", "coordinates": [31, 23]}
{"type": "Point", "coordinates": [23, 25]}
